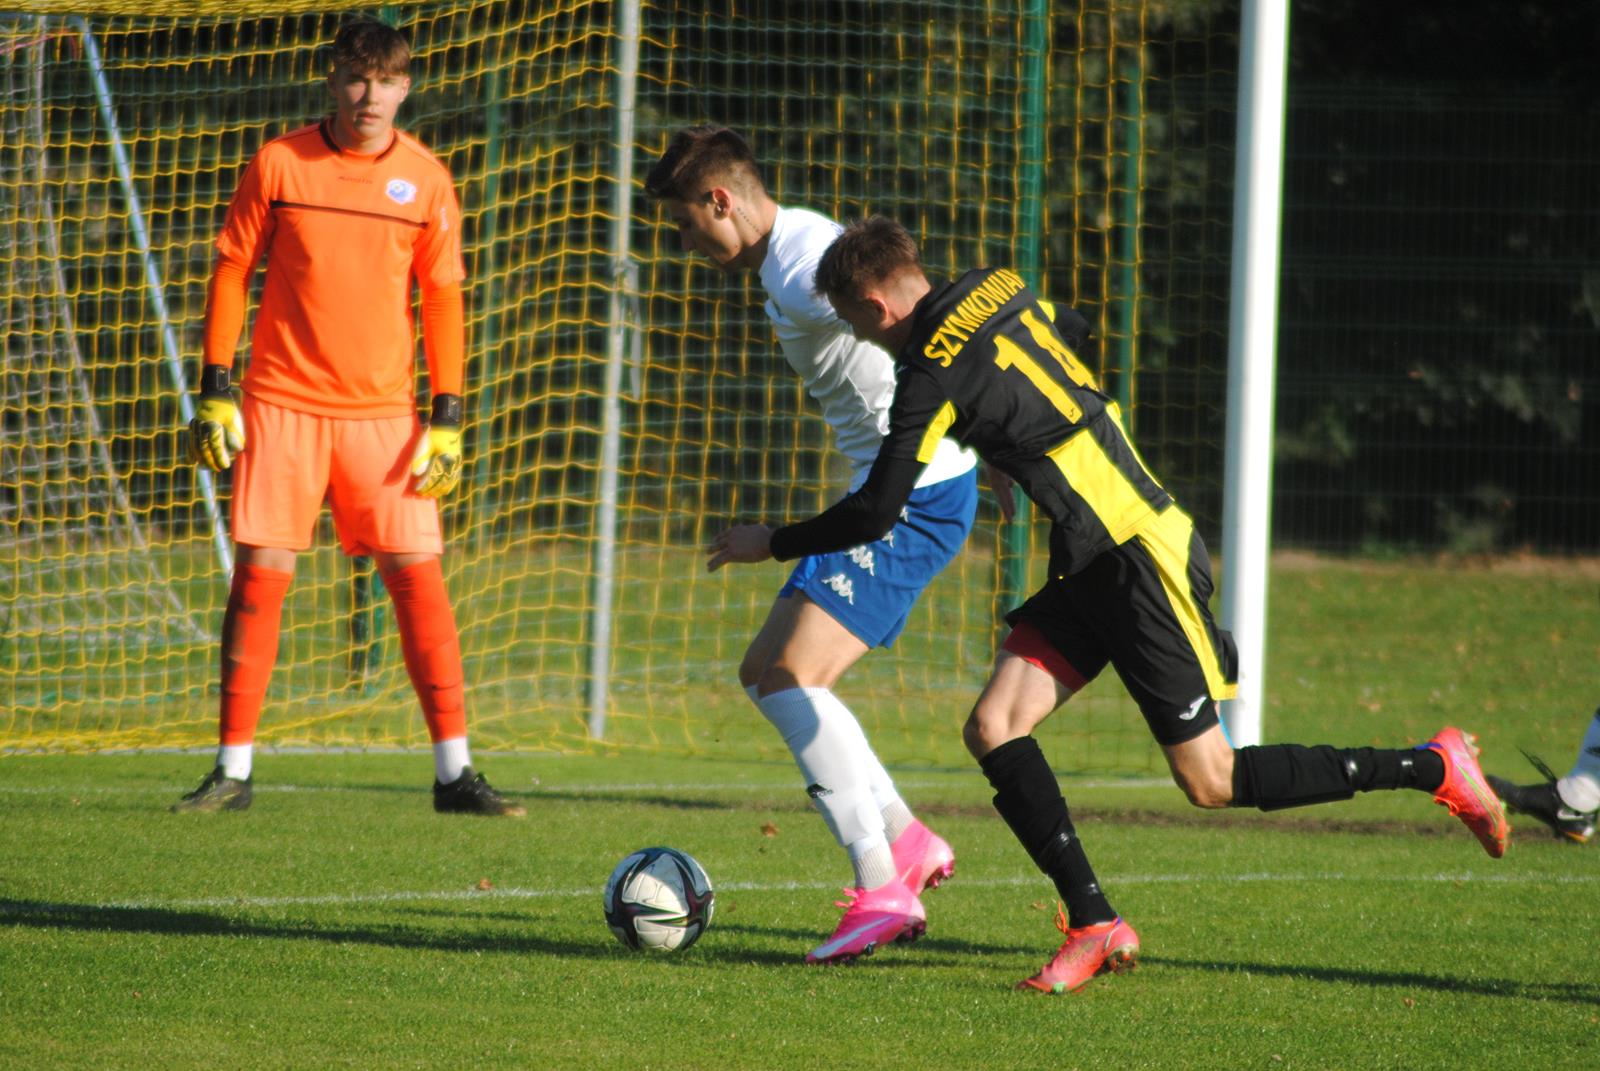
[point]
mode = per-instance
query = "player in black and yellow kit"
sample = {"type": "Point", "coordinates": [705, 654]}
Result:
{"type": "Point", "coordinates": [983, 360]}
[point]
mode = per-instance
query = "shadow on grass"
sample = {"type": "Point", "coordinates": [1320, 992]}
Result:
{"type": "Point", "coordinates": [1565, 992]}
{"type": "Point", "coordinates": [47, 915]}
{"type": "Point", "coordinates": [170, 922]}
{"type": "Point", "coordinates": [780, 799]}
{"type": "Point", "coordinates": [929, 950]}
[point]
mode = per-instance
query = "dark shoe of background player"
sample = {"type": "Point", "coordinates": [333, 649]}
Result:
{"type": "Point", "coordinates": [472, 794]}
{"type": "Point", "coordinates": [1543, 802]}
{"type": "Point", "coordinates": [216, 793]}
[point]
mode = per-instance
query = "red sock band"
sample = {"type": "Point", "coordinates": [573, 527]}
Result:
{"type": "Point", "coordinates": [249, 647]}
{"type": "Point", "coordinates": [431, 645]}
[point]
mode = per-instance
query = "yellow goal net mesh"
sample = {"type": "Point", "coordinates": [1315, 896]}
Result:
{"type": "Point", "coordinates": [1075, 144]}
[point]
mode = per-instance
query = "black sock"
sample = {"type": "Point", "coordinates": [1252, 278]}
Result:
{"type": "Point", "coordinates": [1276, 776]}
{"type": "Point", "coordinates": [1028, 797]}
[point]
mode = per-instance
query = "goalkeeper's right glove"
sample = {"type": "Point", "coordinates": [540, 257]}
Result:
{"type": "Point", "coordinates": [216, 434]}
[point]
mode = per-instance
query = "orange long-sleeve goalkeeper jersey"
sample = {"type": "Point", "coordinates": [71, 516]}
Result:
{"type": "Point", "coordinates": [344, 236]}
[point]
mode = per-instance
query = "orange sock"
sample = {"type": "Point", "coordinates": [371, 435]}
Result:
{"type": "Point", "coordinates": [249, 647]}
{"type": "Point", "coordinates": [431, 645]}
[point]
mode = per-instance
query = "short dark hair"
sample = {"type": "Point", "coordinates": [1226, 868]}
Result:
{"type": "Point", "coordinates": [867, 251]}
{"type": "Point", "coordinates": [367, 46]}
{"type": "Point", "coordinates": [699, 158]}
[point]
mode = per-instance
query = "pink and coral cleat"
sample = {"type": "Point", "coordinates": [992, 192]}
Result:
{"type": "Point", "coordinates": [922, 858]}
{"type": "Point", "coordinates": [1105, 947]}
{"type": "Point", "coordinates": [872, 917]}
{"type": "Point", "coordinates": [1466, 792]}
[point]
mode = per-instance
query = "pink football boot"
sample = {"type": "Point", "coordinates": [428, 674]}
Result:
{"type": "Point", "coordinates": [872, 917]}
{"type": "Point", "coordinates": [922, 858]}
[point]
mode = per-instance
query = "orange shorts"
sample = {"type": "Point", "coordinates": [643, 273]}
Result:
{"type": "Point", "coordinates": [293, 461]}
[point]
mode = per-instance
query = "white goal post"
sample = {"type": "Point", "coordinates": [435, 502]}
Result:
{"type": "Point", "coordinates": [1252, 353]}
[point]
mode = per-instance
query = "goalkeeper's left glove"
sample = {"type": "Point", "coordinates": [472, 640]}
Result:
{"type": "Point", "coordinates": [216, 434]}
{"type": "Point", "coordinates": [436, 463]}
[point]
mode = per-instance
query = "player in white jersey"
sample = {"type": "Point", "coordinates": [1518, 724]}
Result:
{"type": "Point", "coordinates": [834, 607]}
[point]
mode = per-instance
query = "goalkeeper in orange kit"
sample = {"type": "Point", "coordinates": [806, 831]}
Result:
{"type": "Point", "coordinates": [347, 211]}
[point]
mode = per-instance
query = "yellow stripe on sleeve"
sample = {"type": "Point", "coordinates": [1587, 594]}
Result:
{"type": "Point", "coordinates": [936, 428]}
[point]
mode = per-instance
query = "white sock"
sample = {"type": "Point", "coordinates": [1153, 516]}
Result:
{"type": "Point", "coordinates": [872, 862]}
{"type": "Point", "coordinates": [835, 762]}
{"type": "Point", "coordinates": [897, 818]}
{"type": "Point", "coordinates": [235, 760]}
{"type": "Point", "coordinates": [1580, 789]}
{"type": "Point", "coordinates": [450, 759]}
{"type": "Point", "coordinates": [883, 790]}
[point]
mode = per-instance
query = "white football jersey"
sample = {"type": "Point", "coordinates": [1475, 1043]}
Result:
{"type": "Point", "coordinates": [853, 380]}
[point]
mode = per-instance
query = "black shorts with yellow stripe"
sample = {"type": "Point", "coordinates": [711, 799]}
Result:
{"type": "Point", "coordinates": [1142, 607]}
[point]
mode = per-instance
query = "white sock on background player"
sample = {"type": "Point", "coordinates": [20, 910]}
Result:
{"type": "Point", "coordinates": [450, 759]}
{"type": "Point", "coordinates": [1580, 789]}
{"type": "Point", "coordinates": [837, 766]}
{"type": "Point", "coordinates": [236, 760]}
{"type": "Point", "coordinates": [897, 817]}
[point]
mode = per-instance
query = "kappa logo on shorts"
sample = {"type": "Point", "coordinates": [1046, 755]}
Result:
{"type": "Point", "coordinates": [842, 587]}
{"type": "Point", "coordinates": [862, 556]}
{"type": "Point", "coordinates": [400, 191]}
{"type": "Point", "coordinates": [1194, 708]}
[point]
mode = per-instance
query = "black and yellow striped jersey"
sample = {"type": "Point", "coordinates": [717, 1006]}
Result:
{"type": "Point", "coordinates": [988, 365]}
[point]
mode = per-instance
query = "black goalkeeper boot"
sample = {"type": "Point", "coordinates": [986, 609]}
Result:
{"type": "Point", "coordinates": [217, 792]}
{"type": "Point", "coordinates": [472, 794]}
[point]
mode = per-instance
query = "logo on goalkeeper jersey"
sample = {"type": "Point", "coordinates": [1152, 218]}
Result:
{"type": "Point", "coordinates": [400, 191]}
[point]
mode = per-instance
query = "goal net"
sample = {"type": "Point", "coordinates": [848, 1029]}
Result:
{"type": "Point", "coordinates": [1090, 147]}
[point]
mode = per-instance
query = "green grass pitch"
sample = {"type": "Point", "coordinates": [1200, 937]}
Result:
{"type": "Point", "coordinates": [340, 923]}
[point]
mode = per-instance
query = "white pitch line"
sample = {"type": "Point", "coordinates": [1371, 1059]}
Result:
{"type": "Point", "coordinates": [541, 788]}
{"type": "Point", "coordinates": [1016, 881]}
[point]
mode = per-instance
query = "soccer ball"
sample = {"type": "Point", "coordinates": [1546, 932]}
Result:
{"type": "Point", "coordinates": [658, 899]}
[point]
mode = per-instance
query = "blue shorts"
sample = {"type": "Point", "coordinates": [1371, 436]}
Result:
{"type": "Point", "coordinates": [870, 589]}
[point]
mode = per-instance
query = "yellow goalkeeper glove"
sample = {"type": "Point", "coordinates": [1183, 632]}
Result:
{"type": "Point", "coordinates": [216, 434]}
{"type": "Point", "coordinates": [436, 463]}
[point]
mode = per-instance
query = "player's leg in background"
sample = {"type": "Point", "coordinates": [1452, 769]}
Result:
{"type": "Point", "coordinates": [833, 609]}
{"type": "Point", "coordinates": [431, 646]}
{"type": "Point", "coordinates": [1569, 805]}
{"type": "Point", "coordinates": [1020, 694]}
{"type": "Point", "coordinates": [789, 672]}
{"type": "Point", "coordinates": [1177, 664]}
{"type": "Point", "coordinates": [279, 481]}
{"type": "Point", "coordinates": [1581, 787]}
{"type": "Point", "coordinates": [249, 650]}
{"type": "Point", "coordinates": [375, 513]}
{"type": "Point", "coordinates": [1273, 777]}
{"type": "Point", "coordinates": [250, 628]}
{"type": "Point", "coordinates": [798, 655]}
{"type": "Point", "coordinates": [1277, 776]}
